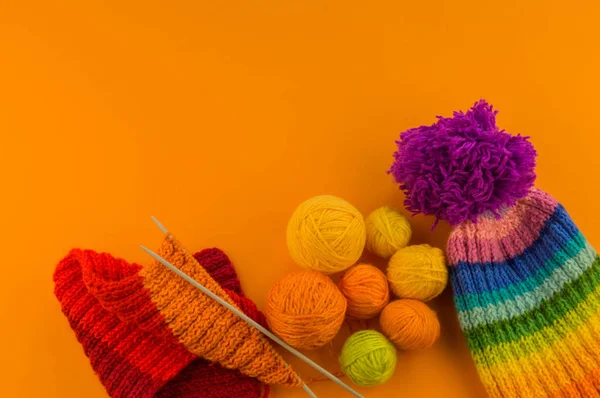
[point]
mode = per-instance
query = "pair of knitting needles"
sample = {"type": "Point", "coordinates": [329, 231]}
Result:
{"type": "Point", "coordinates": [247, 319]}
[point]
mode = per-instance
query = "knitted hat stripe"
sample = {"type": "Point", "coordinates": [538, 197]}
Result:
{"type": "Point", "coordinates": [218, 335]}
{"type": "Point", "coordinates": [142, 350]}
{"type": "Point", "coordinates": [494, 239]}
{"type": "Point", "coordinates": [559, 224]}
{"type": "Point", "coordinates": [521, 267]}
{"type": "Point", "coordinates": [573, 357]}
{"type": "Point", "coordinates": [119, 288]}
{"type": "Point", "coordinates": [572, 389]}
{"type": "Point", "coordinates": [545, 374]}
{"type": "Point", "coordinates": [551, 271]}
{"type": "Point", "coordinates": [116, 374]}
{"type": "Point", "coordinates": [527, 296]}
{"type": "Point", "coordinates": [512, 244]}
{"type": "Point", "coordinates": [200, 380]}
{"type": "Point", "coordinates": [101, 332]}
{"type": "Point", "coordinates": [513, 220]}
{"type": "Point", "coordinates": [575, 296]}
{"type": "Point", "coordinates": [545, 344]}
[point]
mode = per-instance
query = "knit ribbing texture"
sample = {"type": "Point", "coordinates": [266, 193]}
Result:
{"type": "Point", "coordinates": [527, 290]}
{"type": "Point", "coordinates": [130, 343]}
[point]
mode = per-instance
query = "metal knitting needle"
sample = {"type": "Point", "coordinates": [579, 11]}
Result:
{"type": "Point", "coordinates": [209, 293]}
{"type": "Point", "coordinates": [248, 320]}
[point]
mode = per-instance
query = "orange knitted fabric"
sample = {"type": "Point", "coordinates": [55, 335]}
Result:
{"type": "Point", "coordinates": [131, 362]}
{"type": "Point", "coordinates": [217, 335]}
{"type": "Point", "coordinates": [158, 321]}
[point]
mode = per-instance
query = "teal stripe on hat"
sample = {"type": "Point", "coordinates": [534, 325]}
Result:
{"type": "Point", "coordinates": [493, 297]}
{"type": "Point", "coordinates": [544, 316]}
{"type": "Point", "coordinates": [519, 304]}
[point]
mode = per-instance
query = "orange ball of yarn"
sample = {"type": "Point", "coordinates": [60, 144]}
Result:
{"type": "Point", "coordinates": [410, 324]}
{"type": "Point", "coordinates": [305, 309]}
{"type": "Point", "coordinates": [366, 290]}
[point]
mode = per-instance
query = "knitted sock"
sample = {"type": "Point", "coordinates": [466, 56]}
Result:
{"type": "Point", "coordinates": [132, 362]}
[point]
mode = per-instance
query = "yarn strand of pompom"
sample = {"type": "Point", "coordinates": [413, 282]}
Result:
{"type": "Point", "coordinates": [249, 320]}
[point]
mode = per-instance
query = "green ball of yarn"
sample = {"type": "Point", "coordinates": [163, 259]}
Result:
{"type": "Point", "coordinates": [368, 358]}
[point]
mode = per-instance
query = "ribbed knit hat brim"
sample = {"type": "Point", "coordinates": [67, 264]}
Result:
{"type": "Point", "coordinates": [95, 293]}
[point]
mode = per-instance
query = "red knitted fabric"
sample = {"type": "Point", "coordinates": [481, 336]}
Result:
{"type": "Point", "coordinates": [131, 359]}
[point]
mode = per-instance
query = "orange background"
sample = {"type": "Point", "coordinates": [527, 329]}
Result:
{"type": "Point", "coordinates": [220, 117]}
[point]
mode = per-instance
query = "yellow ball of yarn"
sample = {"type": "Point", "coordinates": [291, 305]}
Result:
{"type": "Point", "coordinates": [366, 290]}
{"type": "Point", "coordinates": [326, 234]}
{"type": "Point", "coordinates": [368, 358]}
{"type": "Point", "coordinates": [387, 231]}
{"type": "Point", "coordinates": [410, 324]}
{"type": "Point", "coordinates": [417, 272]}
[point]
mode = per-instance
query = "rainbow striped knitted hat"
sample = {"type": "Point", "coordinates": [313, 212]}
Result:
{"type": "Point", "coordinates": [526, 282]}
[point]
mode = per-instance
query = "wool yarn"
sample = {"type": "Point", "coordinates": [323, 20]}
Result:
{"type": "Point", "coordinates": [525, 280]}
{"type": "Point", "coordinates": [410, 324]}
{"type": "Point", "coordinates": [366, 290]}
{"type": "Point", "coordinates": [305, 309]}
{"type": "Point", "coordinates": [387, 231]}
{"type": "Point", "coordinates": [326, 234]}
{"type": "Point", "coordinates": [135, 361]}
{"type": "Point", "coordinates": [463, 166]}
{"type": "Point", "coordinates": [417, 272]}
{"type": "Point", "coordinates": [168, 307]}
{"type": "Point", "coordinates": [368, 358]}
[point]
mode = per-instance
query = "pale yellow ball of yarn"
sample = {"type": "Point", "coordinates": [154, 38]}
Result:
{"type": "Point", "coordinates": [387, 231]}
{"type": "Point", "coordinates": [417, 272]}
{"type": "Point", "coordinates": [326, 234]}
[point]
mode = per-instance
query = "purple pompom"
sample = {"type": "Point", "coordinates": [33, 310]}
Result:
{"type": "Point", "coordinates": [463, 166]}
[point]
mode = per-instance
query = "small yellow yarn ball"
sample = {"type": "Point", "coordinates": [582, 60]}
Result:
{"type": "Point", "coordinates": [368, 358]}
{"type": "Point", "coordinates": [387, 231]}
{"type": "Point", "coordinates": [418, 272]}
{"type": "Point", "coordinates": [326, 234]}
{"type": "Point", "coordinates": [366, 290]}
{"type": "Point", "coordinates": [410, 324]}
